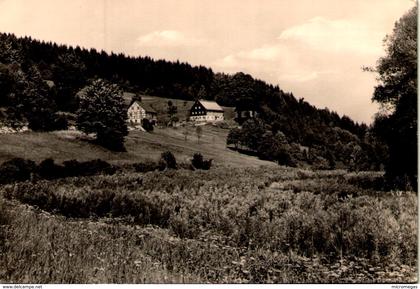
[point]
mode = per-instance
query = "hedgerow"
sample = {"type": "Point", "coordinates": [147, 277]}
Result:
{"type": "Point", "coordinates": [19, 170]}
{"type": "Point", "coordinates": [16, 170]}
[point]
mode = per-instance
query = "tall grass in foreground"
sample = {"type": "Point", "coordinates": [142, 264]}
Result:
{"type": "Point", "coordinates": [41, 248]}
{"type": "Point", "coordinates": [244, 225]}
{"type": "Point", "coordinates": [307, 216]}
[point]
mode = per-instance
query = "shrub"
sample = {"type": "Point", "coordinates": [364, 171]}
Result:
{"type": "Point", "coordinates": [234, 137]}
{"type": "Point", "coordinates": [16, 170]}
{"type": "Point", "coordinates": [60, 122]}
{"type": "Point", "coordinates": [161, 165]}
{"type": "Point", "coordinates": [284, 158]}
{"type": "Point", "coordinates": [207, 164]}
{"type": "Point", "coordinates": [147, 124]}
{"type": "Point", "coordinates": [199, 162]}
{"type": "Point", "coordinates": [74, 168]}
{"type": "Point", "coordinates": [4, 221]}
{"type": "Point", "coordinates": [47, 169]}
{"type": "Point", "coordinates": [71, 168]}
{"type": "Point", "coordinates": [169, 160]}
{"type": "Point", "coordinates": [367, 180]}
{"type": "Point", "coordinates": [276, 148]}
{"type": "Point", "coordinates": [98, 166]}
{"type": "Point", "coordinates": [147, 166]}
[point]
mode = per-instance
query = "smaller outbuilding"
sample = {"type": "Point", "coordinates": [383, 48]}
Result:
{"type": "Point", "coordinates": [243, 115]}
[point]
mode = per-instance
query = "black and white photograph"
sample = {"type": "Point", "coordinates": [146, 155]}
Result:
{"type": "Point", "coordinates": [208, 142]}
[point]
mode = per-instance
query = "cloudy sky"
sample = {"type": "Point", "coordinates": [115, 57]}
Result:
{"type": "Point", "coordinates": [314, 49]}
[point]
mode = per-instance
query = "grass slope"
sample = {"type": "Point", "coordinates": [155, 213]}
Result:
{"type": "Point", "coordinates": [65, 145]}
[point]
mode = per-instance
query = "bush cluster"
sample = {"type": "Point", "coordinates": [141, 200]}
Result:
{"type": "Point", "coordinates": [16, 170]}
{"type": "Point", "coordinates": [73, 168]}
{"type": "Point", "coordinates": [199, 162]}
{"type": "Point", "coordinates": [255, 138]}
{"type": "Point", "coordinates": [148, 166]}
{"type": "Point", "coordinates": [168, 161]}
{"type": "Point", "coordinates": [147, 125]}
{"type": "Point", "coordinates": [19, 169]}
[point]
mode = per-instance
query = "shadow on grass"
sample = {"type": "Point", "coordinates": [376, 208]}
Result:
{"type": "Point", "coordinates": [244, 151]}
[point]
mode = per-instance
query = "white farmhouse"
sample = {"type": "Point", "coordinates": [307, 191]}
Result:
{"type": "Point", "coordinates": [138, 111]}
{"type": "Point", "coordinates": [206, 111]}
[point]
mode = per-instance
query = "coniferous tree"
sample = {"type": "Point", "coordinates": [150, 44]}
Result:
{"type": "Point", "coordinates": [69, 77]}
{"type": "Point", "coordinates": [38, 107]}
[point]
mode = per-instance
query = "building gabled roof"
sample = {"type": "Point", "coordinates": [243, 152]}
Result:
{"type": "Point", "coordinates": [128, 100]}
{"type": "Point", "coordinates": [211, 105]}
{"type": "Point", "coordinates": [145, 106]}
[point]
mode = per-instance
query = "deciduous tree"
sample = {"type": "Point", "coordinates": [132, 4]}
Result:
{"type": "Point", "coordinates": [397, 93]}
{"type": "Point", "coordinates": [102, 111]}
{"type": "Point", "coordinates": [199, 133]}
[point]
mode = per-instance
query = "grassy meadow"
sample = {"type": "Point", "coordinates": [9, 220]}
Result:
{"type": "Point", "coordinates": [141, 146]}
{"type": "Point", "coordinates": [226, 225]}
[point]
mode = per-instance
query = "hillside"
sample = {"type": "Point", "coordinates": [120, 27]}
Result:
{"type": "Point", "coordinates": [71, 68]}
{"type": "Point", "coordinates": [288, 124]}
{"type": "Point", "coordinates": [66, 145]}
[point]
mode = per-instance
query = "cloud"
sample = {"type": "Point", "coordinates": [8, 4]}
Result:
{"type": "Point", "coordinates": [265, 53]}
{"type": "Point", "coordinates": [306, 75]}
{"type": "Point", "coordinates": [314, 49]}
{"type": "Point", "coordinates": [318, 60]}
{"type": "Point", "coordinates": [276, 61]}
{"type": "Point", "coordinates": [341, 35]}
{"type": "Point", "coordinates": [168, 38]}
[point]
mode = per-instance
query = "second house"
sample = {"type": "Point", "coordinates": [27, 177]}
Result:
{"type": "Point", "coordinates": [206, 111]}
